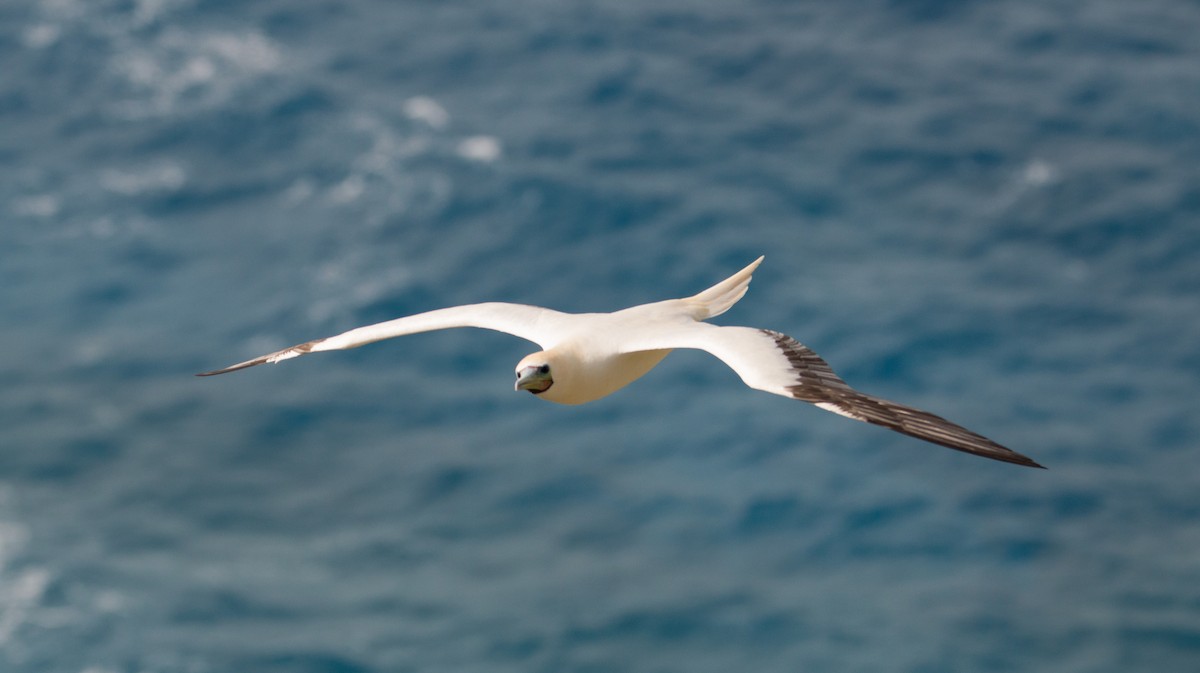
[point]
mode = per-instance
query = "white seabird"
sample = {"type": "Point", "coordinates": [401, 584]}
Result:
{"type": "Point", "coordinates": [587, 356]}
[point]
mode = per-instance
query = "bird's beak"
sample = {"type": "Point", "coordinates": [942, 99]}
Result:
{"type": "Point", "coordinates": [533, 380]}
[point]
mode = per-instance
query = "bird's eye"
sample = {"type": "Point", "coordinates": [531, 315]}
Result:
{"type": "Point", "coordinates": [544, 369]}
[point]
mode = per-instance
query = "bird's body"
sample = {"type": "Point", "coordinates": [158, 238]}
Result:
{"type": "Point", "coordinates": [587, 356]}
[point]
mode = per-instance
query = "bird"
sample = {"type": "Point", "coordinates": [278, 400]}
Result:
{"type": "Point", "coordinates": [587, 356]}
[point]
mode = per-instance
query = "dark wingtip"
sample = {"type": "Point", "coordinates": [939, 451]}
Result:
{"type": "Point", "coordinates": [1016, 459]}
{"type": "Point", "coordinates": [234, 368]}
{"type": "Point", "coordinates": [287, 353]}
{"type": "Point", "coordinates": [215, 372]}
{"type": "Point", "coordinates": [1008, 456]}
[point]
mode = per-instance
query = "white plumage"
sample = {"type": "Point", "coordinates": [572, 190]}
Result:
{"type": "Point", "coordinates": [586, 356]}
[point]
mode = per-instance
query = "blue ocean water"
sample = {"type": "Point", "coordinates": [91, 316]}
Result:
{"type": "Point", "coordinates": [988, 210]}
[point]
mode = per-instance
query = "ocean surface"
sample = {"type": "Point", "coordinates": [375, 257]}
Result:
{"type": "Point", "coordinates": [990, 210]}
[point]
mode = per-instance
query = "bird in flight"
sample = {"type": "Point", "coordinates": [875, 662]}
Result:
{"type": "Point", "coordinates": [586, 356]}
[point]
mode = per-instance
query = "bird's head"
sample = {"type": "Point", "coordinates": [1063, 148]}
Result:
{"type": "Point", "coordinates": [535, 373]}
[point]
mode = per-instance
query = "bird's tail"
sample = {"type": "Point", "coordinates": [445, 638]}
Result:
{"type": "Point", "coordinates": [721, 297]}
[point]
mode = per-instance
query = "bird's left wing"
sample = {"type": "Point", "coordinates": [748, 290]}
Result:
{"type": "Point", "coordinates": [776, 363]}
{"type": "Point", "coordinates": [532, 323]}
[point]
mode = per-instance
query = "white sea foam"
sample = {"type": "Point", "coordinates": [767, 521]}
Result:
{"type": "Point", "coordinates": [348, 190]}
{"type": "Point", "coordinates": [62, 9]}
{"type": "Point", "coordinates": [41, 35]}
{"type": "Point", "coordinates": [146, 12]}
{"type": "Point", "coordinates": [40, 205]}
{"type": "Point", "coordinates": [21, 590]}
{"type": "Point", "coordinates": [1039, 173]}
{"type": "Point", "coordinates": [479, 148]}
{"type": "Point", "coordinates": [160, 177]}
{"type": "Point", "coordinates": [299, 191]}
{"type": "Point", "coordinates": [425, 109]}
{"type": "Point", "coordinates": [180, 69]}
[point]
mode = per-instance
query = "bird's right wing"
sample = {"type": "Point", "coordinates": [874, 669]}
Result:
{"type": "Point", "coordinates": [532, 323]}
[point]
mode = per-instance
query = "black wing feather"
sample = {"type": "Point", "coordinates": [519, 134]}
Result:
{"type": "Point", "coordinates": [818, 384]}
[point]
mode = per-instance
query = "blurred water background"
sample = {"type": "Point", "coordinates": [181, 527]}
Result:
{"type": "Point", "coordinates": [986, 209]}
